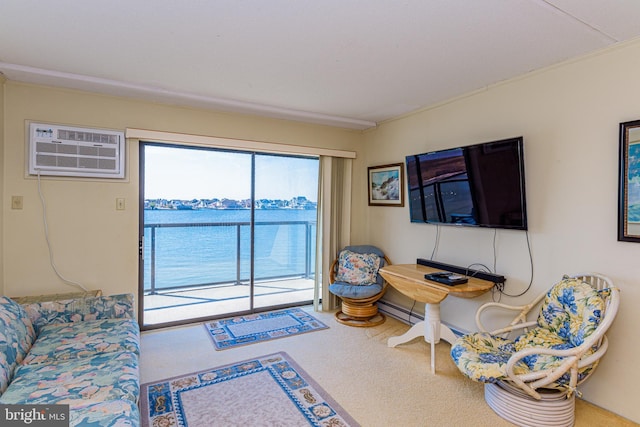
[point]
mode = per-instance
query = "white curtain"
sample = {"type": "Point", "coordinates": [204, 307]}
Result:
{"type": "Point", "coordinates": [334, 223]}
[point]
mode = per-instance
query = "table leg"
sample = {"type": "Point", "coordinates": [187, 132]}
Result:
{"type": "Point", "coordinates": [417, 330]}
{"type": "Point", "coordinates": [438, 329]}
{"type": "Point", "coordinates": [432, 339]}
{"type": "Point", "coordinates": [431, 329]}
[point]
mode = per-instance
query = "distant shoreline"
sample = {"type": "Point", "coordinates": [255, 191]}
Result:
{"type": "Point", "coordinates": [296, 203]}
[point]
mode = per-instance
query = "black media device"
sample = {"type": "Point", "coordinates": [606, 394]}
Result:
{"type": "Point", "coordinates": [478, 185]}
{"type": "Point", "coordinates": [446, 278]}
{"type": "Point", "coordinates": [469, 272]}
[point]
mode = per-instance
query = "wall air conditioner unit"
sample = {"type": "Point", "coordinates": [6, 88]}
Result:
{"type": "Point", "coordinates": [73, 151]}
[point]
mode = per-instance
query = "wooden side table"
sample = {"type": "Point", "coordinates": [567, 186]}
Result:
{"type": "Point", "coordinates": [409, 280]}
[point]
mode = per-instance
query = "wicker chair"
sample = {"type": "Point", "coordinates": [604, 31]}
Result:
{"type": "Point", "coordinates": [532, 380]}
{"type": "Point", "coordinates": [354, 278]}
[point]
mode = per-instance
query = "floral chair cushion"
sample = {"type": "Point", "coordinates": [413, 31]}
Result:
{"type": "Point", "coordinates": [16, 338]}
{"type": "Point", "coordinates": [78, 340]}
{"type": "Point", "coordinates": [570, 312]}
{"type": "Point", "coordinates": [78, 383]}
{"type": "Point", "coordinates": [360, 269]}
{"type": "Point", "coordinates": [483, 357]}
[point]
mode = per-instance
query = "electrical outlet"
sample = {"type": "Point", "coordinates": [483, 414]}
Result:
{"type": "Point", "coordinates": [16, 202]}
{"type": "Point", "coordinates": [120, 205]}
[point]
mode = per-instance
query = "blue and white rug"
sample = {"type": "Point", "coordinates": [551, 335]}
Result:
{"type": "Point", "coordinates": [266, 391]}
{"type": "Point", "coordinates": [253, 328]}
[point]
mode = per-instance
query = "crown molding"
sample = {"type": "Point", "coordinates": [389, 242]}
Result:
{"type": "Point", "coordinates": [41, 76]}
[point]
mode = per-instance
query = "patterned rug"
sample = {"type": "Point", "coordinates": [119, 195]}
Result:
{"type": "Point", "coordinates": [266, 391]}
{"type": "Point", "coordinates": [242, 330]}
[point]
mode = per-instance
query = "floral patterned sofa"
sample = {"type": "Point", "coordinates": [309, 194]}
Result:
{"type": "Point", "coordinates": [79, 352]}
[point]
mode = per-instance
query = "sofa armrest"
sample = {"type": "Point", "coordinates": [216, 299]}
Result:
{"type": "Point", "coordinates": [80, 309]}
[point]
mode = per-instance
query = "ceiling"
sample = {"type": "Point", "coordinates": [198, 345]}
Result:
{"type": "Point", "coordinates": [347, 63]}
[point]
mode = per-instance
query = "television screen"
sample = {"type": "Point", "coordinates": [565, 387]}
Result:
{"type": "Point", "coordinates": [477, 185]}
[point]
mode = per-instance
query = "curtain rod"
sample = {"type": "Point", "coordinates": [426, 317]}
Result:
{"type": "Point", "coordinates": [236, 144]}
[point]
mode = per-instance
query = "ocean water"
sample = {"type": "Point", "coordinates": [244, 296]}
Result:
{"type": "Point", "coordinates": [210, 246]}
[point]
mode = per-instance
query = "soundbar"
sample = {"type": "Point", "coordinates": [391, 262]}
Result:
{"type": "Point", "coordinates": [495, 278]}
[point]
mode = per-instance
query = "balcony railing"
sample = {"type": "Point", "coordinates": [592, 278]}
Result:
{"type": "Point", "coordinates": [189, 255]}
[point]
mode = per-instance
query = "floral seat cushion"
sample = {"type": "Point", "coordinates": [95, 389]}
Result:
{"type": "Point", "coordinates": [65, 341]}
{"type": "Point", "coordinates": [16, 338]}
{"type": "Point", "coordinates": [116, 413]}
{"type": "Point", "coordinates": [483, 357]}
{"type": "Point", "coordinates": [78, 383]}
{"type": "Point", "coordinates": [570, 312]}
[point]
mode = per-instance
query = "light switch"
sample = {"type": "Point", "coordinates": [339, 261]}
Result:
{"type": "Point", "coordinates": [16, 202]}
{"type": "Point", "coordinates": [120, 205]}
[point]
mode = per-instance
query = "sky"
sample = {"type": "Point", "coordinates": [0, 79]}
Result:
{"type": "Point", "coordinates": [183, 173]}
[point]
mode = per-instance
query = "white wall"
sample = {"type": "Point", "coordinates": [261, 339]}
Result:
{"type": "Point", "coordinates": [569, 117]}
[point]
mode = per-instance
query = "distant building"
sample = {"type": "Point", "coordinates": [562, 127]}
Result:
{"type": "Point", "coordinates": [299, 202]}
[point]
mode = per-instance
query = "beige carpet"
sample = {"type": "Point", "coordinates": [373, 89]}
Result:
{"type": "Point", "coordinates": [375, 384]}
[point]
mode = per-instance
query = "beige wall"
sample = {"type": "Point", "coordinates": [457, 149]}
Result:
{"type": "Point", "coordinates": [93, 243]}
{"type": "Point", "coordinates": [569, 117]}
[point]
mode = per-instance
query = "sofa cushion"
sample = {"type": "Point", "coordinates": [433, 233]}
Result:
{"type": "Point", "coordinates": [80, 309]}
{"type": "Point", "coordinates": [110, 413]}
{"type": "Point", "coordinates": [77, 340]}
{"type": "Point", "coordinates": [78, 382]}
{"type": "Point", "coordinates": [16, 338]}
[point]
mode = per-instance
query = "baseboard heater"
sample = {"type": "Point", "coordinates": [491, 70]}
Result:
{"type": "Point", "coordinates": [495, 278]}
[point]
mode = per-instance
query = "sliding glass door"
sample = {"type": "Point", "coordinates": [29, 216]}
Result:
{"type": "Point", "coordinates": [224, 232]}
{"type": "Point", "coordinates": [285, 228]}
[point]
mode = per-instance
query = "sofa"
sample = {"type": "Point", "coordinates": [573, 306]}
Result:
{"type": "Point", "coordinates": [79, 352]}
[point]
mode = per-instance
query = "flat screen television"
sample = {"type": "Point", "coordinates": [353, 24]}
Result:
{"type": "Point", "coordinates": [478, 185]}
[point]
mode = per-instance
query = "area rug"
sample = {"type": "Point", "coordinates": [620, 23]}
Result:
{"type": "Point", "coordinates": [242, 330]}
{"type": "Point", "coordinates": [270, 390]}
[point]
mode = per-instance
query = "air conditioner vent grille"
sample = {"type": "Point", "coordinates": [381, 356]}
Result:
{"type": "Point", "coordinates": [100, 138]}
{"type": "Point", "coordinates": [79, 152]}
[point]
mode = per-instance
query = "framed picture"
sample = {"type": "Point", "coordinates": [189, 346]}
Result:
{"type": "Point", "coordinates": [629, 183]}
{"type": "Point", "coordinates": [386, 185]}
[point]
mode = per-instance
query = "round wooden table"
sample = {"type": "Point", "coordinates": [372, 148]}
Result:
{"type": "Point", "coordinates": [409, 280]}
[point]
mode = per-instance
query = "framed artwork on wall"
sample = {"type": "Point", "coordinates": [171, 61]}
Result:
{"type": "Point", "coordinates": [629, 182]}
{"type": "Point", "coordinates": [386, 185]}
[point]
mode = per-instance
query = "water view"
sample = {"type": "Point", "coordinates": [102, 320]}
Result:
{"type": "Point", "coordinates": [202, 255]}
{"type": "Point", "coordinates": [187, 247]}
